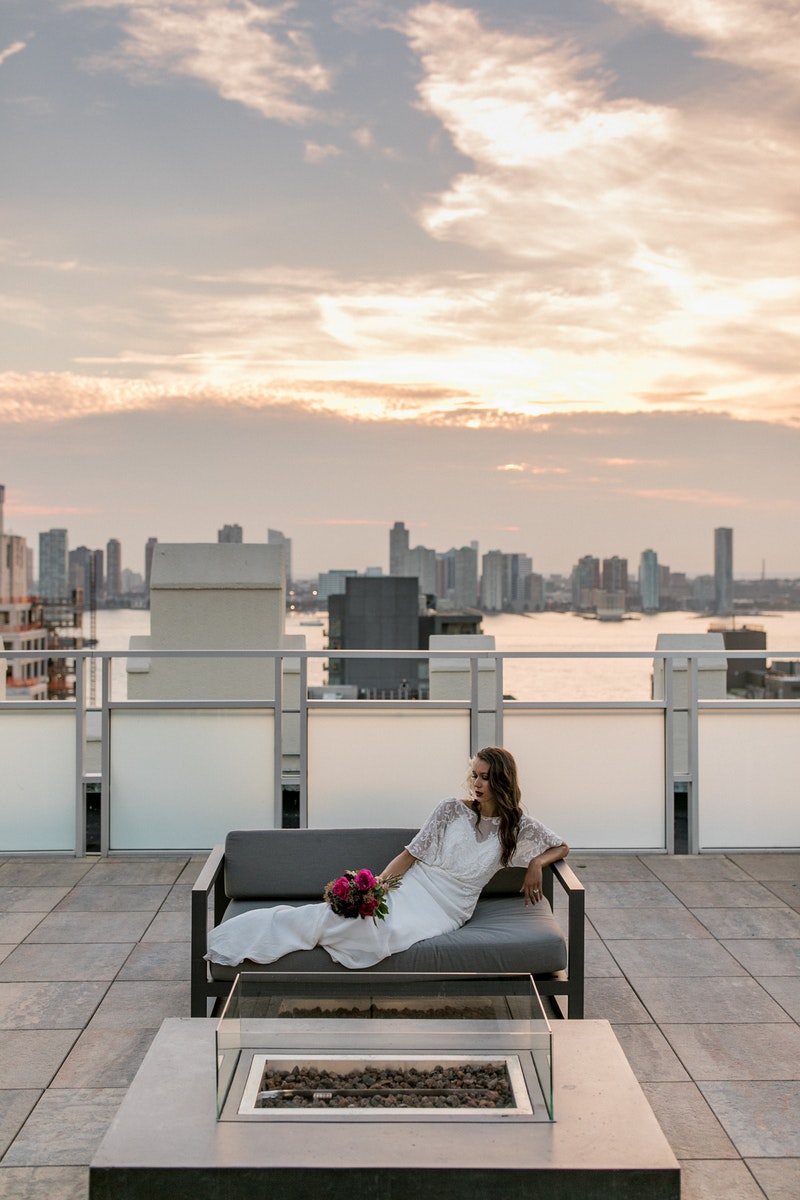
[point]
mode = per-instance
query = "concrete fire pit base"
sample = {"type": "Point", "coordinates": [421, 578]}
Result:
{"type": "Point", "coordinates": [166, 1144]}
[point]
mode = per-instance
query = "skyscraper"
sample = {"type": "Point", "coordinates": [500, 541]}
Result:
{"type": "Point", "coordinates": [492, 581]}
{"type": "Point", "coordinates": [516, 569]}
{"type": "Point", "coordinates": [86, 574]}
{"type": "Point", "coordinates": [276, 538]}
{"type": "Point", "coordinates": [649, 589]}
{"type": "Point", "coordinates": [615, 574]}
{"type": "Point", "coordinates": [113, 568]}
{"type": "Point", "coordinates": [148, 562]}
{"type": "Point", "coordinates": [398, 549]}
{"type": "Point", "coordinates": [53, 565]}
{"type": "Point", "coordinates": [723, 571]}
{"type": "Point", "coordinates": [230, 533]}
{"type": "Point", "coordinates": [13, 562]}
{"type": "Point", "coordinates": [421, 563]}
{"type": "Point", "coordinates": [465, 577]}
{"type": "Point", "coordinates": [4, 585]}
{"type": "Point", "coordinates": [585, 581]}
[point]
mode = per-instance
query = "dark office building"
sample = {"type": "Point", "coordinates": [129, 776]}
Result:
{"type": "Point", "coordinates": [615, 575]}
{"type": "Point", "coordinates": [376, 613]}
{"type": "Point", "coordinates": [382, 613]}
{"type": "Point", "coordinates": [745, 672]}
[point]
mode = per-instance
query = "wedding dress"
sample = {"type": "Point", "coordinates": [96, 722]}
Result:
{"type": "Point", "coordinates": [455, 858]}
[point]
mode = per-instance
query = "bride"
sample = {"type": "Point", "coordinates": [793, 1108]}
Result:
{"type": "Point", "coordinates": [443, 869]}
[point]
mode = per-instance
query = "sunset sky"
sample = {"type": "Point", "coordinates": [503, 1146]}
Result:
{"type": "Point", "coordinates": [521, 271]}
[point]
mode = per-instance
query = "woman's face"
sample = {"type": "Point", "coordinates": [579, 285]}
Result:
{"type": "Point", "coordinates": [480, 783]}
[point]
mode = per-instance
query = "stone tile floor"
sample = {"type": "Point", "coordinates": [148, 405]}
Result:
{"type": "Point", "coordinates": [695, 961]}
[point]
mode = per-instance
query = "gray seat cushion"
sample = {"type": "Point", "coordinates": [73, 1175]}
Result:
{"type": "Point", "coordinates": [502, 936]}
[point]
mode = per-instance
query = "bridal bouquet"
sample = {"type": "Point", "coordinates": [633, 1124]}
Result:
{"type": "Point", "coordinates": [359, 894]}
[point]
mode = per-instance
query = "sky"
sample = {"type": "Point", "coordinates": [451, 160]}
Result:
{"type": "Point", "coordinates": [525, 272]}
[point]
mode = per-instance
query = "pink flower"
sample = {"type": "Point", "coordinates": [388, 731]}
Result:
{"type": "Point", "coordinates": [364, 880]}
{"type": "Point", "coordinates": [341, 888]}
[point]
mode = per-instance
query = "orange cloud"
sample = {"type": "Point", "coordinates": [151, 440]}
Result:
{"type": "Point", "coordinates": [47, 510]}
{"type": "Point", "coordinates": [686, 496]}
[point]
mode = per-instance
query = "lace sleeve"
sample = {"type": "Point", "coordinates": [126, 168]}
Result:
{"type": "Point", "coordinates": [425, 845]}
{"type": "Point", "coordinates": [533, 838]}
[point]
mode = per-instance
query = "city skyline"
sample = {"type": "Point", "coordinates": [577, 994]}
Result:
{"type": "Point", "coordinates": [499, 266]}
{"type": "Point", "coordinates": [611, 562]}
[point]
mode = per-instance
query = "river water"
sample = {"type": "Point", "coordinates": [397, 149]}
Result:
{"type": "Point", "coordinates": [525, 679]}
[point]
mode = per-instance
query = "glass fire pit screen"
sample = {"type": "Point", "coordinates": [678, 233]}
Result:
{"type": "Point", "coordinates": [383, 1047]}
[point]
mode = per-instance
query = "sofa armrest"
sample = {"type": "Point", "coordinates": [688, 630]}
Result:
{"type": "Point", "coordinates": [211, 878]}
{"type": "Point", "coordinates": [576, 920]}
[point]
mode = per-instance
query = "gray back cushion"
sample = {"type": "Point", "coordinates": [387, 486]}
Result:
{"type": "Point", "coordinates": [295, 864]}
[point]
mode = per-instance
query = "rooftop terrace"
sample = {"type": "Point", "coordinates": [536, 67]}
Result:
{"type": "Point", "coordinates": [695, 960]}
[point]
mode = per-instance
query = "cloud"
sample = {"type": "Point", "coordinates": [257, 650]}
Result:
{"type": "Point", "coordinates": [627, 462]}
{"type": "Point", "coordinates": [14, 48]}
{"type": "Point", "coordinates": [759, 35]}
{"type": "Point", "coordinates": [592, 250]}
{"type": "Point", "coordinates": [315, 153]}
{"type": "Point", "coordinates": [47, 510]}
{"type": "Point", "coordinates": [695, 496]}
{"type": "Point", "coordinates": [251, 55]}
{"type": "Point", "coordinates": [364, 137]}
{"type": "Point", "coordinates": [43, 398]}
{"type": "Point", "coordinates": [340, 521]}
{"type": "Point", "coordinates": [527, 469]}
{"type": "Point", "coordinates": [644, 240]}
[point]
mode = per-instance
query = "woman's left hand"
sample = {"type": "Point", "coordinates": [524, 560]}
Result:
{"type": "Point", "coordinates": [532, 884]}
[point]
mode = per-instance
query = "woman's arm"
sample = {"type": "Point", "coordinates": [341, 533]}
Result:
{"type": "Point", "coordinates": [532, 884]}
{"type": "Point", "coordinates": [398, 866]}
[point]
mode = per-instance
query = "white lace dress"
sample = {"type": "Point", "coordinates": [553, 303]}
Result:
{"type": "Point", "coordinates": [438, 894]}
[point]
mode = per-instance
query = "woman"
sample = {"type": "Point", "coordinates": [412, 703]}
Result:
{"type": "Point", "coordinates": [443, 868]}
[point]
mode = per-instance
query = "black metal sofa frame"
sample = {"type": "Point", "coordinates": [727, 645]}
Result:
{"type": "Point", "coordinates": [252, 870]}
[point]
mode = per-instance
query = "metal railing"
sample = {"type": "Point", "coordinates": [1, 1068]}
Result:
{"type": "Point", "coordinates": [209, 763]}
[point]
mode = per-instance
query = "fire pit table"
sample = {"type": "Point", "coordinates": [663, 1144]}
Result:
{"type": "Point", "coordinates": [394, 1048]}
{"type": "Point", "coordinates": [437, 1087]}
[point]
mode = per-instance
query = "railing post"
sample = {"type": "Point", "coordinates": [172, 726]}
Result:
{"type": "Point", "coordinates": [277, 815]}
{"type": "Point", "coordinates": [693, 734]}
{"type": "Point", "coordinates": [669, 755]}
{"type": "Point", "coordinates": [303, 765]}
{"type": "Point", "coordinates": [105, 757]}
{"type": "Point", "coordinates": [80, 755]}
{"type": "Point", "coordinates": [474, 705]}
{"type": "Point", "coordinates": [498, 702]}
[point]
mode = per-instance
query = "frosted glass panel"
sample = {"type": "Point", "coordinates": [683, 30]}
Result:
{"type": "Point", "coordinates": [596, 778]}
{"type": "Point", "coordinates": [748, 785]}
{"type": "Point", "coordinates": [37, 770]}
{"type": "Point", "coordinates": [181, 780]}
{"type": "Point", "coordinates": [383, 768]}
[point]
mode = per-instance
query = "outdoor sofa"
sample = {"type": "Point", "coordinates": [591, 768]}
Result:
{"type": "Point", "coordinates": [260, 868]}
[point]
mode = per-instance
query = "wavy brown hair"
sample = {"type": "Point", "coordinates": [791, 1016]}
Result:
{"type": "Point", "coordinates": [506, 793]}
